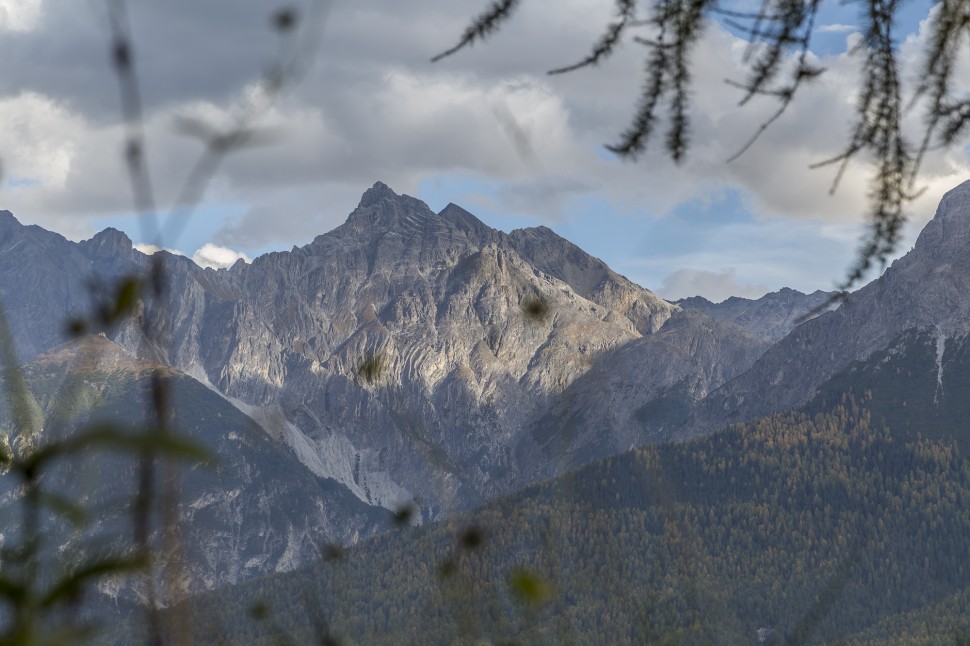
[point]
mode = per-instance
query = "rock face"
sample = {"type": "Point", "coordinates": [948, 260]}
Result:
{"type": "Point", "coordinates": [248, 513]}
{"type": "Point", "coordinates": [925, 291]}
{"type": "Point", "coordinates": [407, 355]}
{"type": "Point", "coordinates": [413, 356]}
{"type": "Point", "coordinates": [590, 277]}
{"type": "Point", "coordinates": [644, 390]}
{"type": "Point", "coordinates": [417, 356]}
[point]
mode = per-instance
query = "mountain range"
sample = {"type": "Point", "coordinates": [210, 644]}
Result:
{"type": "Point", "coordinates": [417, 358]}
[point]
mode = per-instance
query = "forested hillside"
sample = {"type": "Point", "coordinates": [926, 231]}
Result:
{"type": "Point", "coordinates": [794, 529]}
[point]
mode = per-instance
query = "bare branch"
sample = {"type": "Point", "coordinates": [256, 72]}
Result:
{"type": "Point", "coordinates": [634, 140]}
{"type": "Point", "coordinates": [122, 58]}
{"type": "Point", "coordinates": [486, 23]}
{"type": "Point", "coordinates": [608, 42]}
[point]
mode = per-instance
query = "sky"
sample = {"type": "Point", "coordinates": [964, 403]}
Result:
{"type": "Point", "coordinates": [487, 129]}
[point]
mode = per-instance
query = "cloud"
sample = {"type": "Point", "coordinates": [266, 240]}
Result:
{"type": "Point", "coordinates": [804, 255]}
{"type": "Point", "coordinates": [714, 287]}
{"type": "Point", "coordinates": [835, 28]}
{"type": "Point", "coordinates": [293, 220]}
{"type": "Point", "coordinates": [216, 257]}
{"type": "Point", "coordinates": [372, 107]}
{"type": "Point", "coordinates": [19, 15]}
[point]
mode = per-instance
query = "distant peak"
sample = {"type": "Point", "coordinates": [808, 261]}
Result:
{"type": "Point", "coordinates": [380, 207]}
{"type": "Point", "coordinates": [110, 239]}
{"type": "Point", "coordinates": [956, 200]}
{"type": "Point", "coordinates": [950, 227]}
{"type": "Point", "coordinates": [6, 217]}
{"type": "Point", "coordinates": [113, 235]}
{"type": "Point", "coordinates": [379, 191]}
{"type": "Point", "coordinates": [463, 218]}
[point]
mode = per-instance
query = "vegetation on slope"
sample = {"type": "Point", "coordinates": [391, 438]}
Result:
{"type": "Point", "coordinates": [793, 529]}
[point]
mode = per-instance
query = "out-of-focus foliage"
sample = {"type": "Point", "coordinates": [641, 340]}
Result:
{"type": "Point", "coordinates": [779, 63]}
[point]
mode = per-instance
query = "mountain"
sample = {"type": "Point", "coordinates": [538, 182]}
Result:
{"type": "Point", "coordinates": [923, 293]}
{"type": "Point", "coordinates": [408, 355]}
{"type": "Point", "coordinates": [643, 390]}
{"type": "Point", "coordinates": [770, 317]}
{"type": "Point", "coordinates": [438, 302]}
{"type": "Point", "coordinates": [414, 357]}
{"type": "Point", "coordinates": [417, 358]}
{"type": "Point", "coordinates": [405, 358]}
{"type": "Point", "coordinates": [249, 512]}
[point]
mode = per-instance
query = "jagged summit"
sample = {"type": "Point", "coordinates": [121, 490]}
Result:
{"type": "Point", "coordinates": [109, 240]}
{"type": "Point", "coordinates": [956, 202]}
{"type": "Point", "coordinates": [381, 210]}
{"type": "Point", "coordinates": [467, 222]}
{"type": "Point", "coordinates": [8, 222]}
{"type": "Point", "coordinates": [380, 193]}
{"type": "Point", "coordinates": [950, 227]}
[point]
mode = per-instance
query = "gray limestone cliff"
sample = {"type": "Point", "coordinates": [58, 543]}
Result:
{"type": "Point", "coordinates": [245, 513]}
{"type": "Point", "coordinates": [407, 355]}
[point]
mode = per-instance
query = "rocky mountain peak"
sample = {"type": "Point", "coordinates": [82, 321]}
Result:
{"type": "Point", "coordinates": [380, 196]}
{"type": "Point", "coordinates": [922, 293]}
{"type": "Point", "coordinates": [379, 191]}
{"type": "Point", "coordinates": [467, 222]}
{"type": "Point", "coordinates": [590, 277]}
{"type": "Point", "coordinates": [955, 203]}
{"type": "Point", "coordinates": [950, 227]}
{"type": "Point", "coordinates": [406, 355]}
{"type": "Point", "coordinates": [381, 209]}
{"type": "Point", "coordinates": [110, 241]}
{"type": "Point", "coordinates": [8, 223]}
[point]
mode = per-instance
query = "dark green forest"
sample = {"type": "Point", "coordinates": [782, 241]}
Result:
{"type": "Point", "coordinates": [823, 528]}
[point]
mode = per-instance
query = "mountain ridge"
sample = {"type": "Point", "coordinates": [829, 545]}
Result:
{"type": "Point", "coordinates": [412, 358]}
{"type": "Point", "coordinates": [923, 290]}
{"type": "Point", "coordinates": [439, 300]}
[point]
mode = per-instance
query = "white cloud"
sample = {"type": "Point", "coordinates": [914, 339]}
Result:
{"type": "Point", "coordinates": [804, 255]}
{"type": "Point", "coordinates": [715, 287]}
{"type": "Point", "coordinates": [835, 28]}
{"type": "Point", "coordinates": [19, 15]}
{"type": "Point", "coordinates": [373, 107]}
{"type": "Point", "coordinates": [216, 257]}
